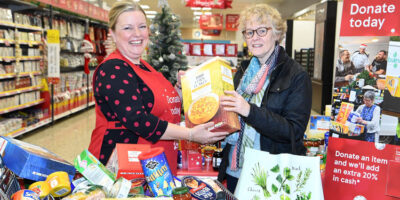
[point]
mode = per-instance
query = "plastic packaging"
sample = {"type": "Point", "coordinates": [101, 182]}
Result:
{"type": "Point", "coordinates": [157, 172]}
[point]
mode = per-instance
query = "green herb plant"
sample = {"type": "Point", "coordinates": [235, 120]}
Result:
{"type": "Point", "coordinates": [260, 178]}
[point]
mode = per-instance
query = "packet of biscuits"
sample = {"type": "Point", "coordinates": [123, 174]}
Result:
{"type": "Point", "coordinates": [202, 87]}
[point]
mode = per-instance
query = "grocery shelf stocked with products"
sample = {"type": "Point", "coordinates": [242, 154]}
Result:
{"type": "Point", "coordinates": [27, 100]}
{"type": "Point", "coordinates": [20, 73]}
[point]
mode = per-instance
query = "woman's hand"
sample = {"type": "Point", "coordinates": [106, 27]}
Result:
{"type": "Point", "coordinates": [235, 103]}
{"type": "Point", "coordinates": [200, 134]}
{"type": "Point", "coordinates": [361, 121]}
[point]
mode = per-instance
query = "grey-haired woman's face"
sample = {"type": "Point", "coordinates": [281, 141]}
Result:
{"type": "Point", "coordinates": [260, 46]}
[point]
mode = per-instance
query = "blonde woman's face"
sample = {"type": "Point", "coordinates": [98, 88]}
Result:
{"type": "Point", "coordinates": [260, 46]}
{"type": "Point", "coordinates": [131, 34]}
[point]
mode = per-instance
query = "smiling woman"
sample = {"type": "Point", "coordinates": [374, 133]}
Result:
{"type": "Point", "coordinates": [134, 102]}
{"type": "Point", "coordinates": [273, 94]}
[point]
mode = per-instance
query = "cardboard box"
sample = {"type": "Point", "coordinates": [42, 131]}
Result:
{"type": "Point", "coordinates": [124, 160]}
{"type": "Point", "coordinates": [93, 170]}
{"type": "Point", "coordinates": [202, 87]}
{"type": "Point", "coordinates": [344, 112]}
{"type": "Point", "coordinates": [319, 125]}
{"type": "Point", "coordinates": [30, 161]}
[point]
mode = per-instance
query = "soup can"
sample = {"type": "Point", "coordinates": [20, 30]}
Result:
{"type": "Point", "coordinates": [157, 172]}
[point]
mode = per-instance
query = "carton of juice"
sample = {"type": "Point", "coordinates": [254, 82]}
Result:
{"type": "Point", "coordinates": [202, 87]}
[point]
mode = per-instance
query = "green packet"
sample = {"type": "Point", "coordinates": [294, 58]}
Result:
{"type": "Point", "coordinates": [93, 170]}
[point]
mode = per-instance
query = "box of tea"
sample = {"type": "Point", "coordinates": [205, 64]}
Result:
{"type": "Point", "coordinates": [202, 87]}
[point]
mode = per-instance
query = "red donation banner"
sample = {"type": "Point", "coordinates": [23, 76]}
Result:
{"type": "Point", "coordinates": [221, 4]}
{"type": "Point", "coordinates": [361, 170]}
{"type": "Point", "coordinates": [370, 18]}
{"type": "Point", "coordinates": [232, 22]}
{"type": "Point", "coordinates": [211, 22]}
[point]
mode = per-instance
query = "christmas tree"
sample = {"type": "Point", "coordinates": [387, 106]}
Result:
{"type": "Point", "coordinates": [165, 48]}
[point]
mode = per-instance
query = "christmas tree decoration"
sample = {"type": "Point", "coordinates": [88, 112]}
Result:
{"type": "Point", "coordinates": [165, 47]}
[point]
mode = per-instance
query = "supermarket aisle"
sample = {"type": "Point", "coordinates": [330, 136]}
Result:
{"type": "Point", "coordinates": [67, 137]}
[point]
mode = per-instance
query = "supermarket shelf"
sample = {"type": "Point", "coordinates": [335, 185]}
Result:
{"type": "Point", "coordinates": [8, 24]}
{"type": "Point", "coordinates": [22, 74]}
{"type": "Point", "coordinates": [24, 130]}
{"type": "Point", "coordinates": [28, 27]}
{"type": "Point", "coordinates": [69, 112]}
{"type": "Point", "coordinates": [91, 103]}
{"type": "Point", "coordinates": [18, 91]}
{"type": "Point", "coordinates": [68, 51]}
{"type": "Point", "coordinates": [7, 58]}
{"type": "Point", "coordinates": [31, 57]}
{"type": "Point", "coordinates": [4, 41]}
{"type": "Point", "coordinates": [77, 109]}
{"type": "Point", "coordinates": [71, 69]}
{"type": "Point", "coordinates": [25, 42]}
{"type": "Point", "coordinates": [22, 106]}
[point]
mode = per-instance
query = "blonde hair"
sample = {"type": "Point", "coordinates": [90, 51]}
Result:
{"type": "Point", "coordinates": [264, 13]}
{"type": "Point", "coordinates": [120, 7]}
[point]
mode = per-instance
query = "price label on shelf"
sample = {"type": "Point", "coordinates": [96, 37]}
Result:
{"type": "Point", "coordinates": [53, 55]}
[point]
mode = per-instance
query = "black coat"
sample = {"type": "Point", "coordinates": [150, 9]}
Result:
{"type": "Point", "coordinates": [284, 111]}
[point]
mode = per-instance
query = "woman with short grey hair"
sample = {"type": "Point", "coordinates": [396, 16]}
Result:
{"type": "Point", "coordinates": [369, 116]}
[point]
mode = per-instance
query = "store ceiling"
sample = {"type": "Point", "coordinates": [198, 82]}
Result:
{"type": "Point", "coordinates": [288, 8]}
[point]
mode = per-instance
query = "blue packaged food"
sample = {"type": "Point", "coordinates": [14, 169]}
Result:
{"type": "Point", "coordinates": [198, 188]}
{"type": "Point", "coordinates": [157, 172]}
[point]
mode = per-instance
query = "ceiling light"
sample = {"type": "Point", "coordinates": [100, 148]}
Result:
{"type": "Point", "coordinates": [150, 12]}
{"type": "Point", "coordinates": [150, 16]}
{"type": "Point", "coordinates": [136, 0]}
{"type": "Point", "coordinates": [144, 7]}
{"type": "Point", "coordinates": [375, 40]}
{"type": "Point", "coordinates": [195, 8]}
{"type": "Point", "coordinates": [197, 17]}
{"type": "Point", "coordinates": [208, 13]}
{"type": "Point", "coordinates": [206, 8]}
{"type": "Point", "coordinates": [197, 13]}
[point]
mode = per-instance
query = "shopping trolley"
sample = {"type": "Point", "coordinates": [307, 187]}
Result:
{"type": "Point", "coordinates": [8, 182]}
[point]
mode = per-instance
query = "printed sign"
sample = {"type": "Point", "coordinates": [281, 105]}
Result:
{"type": "Point", "coordinates": [213, 21]}
{"type": "Point", "coordinates": [354, 166]}
{"type": "Point", "coordinates": [222, 4]}
{"type": "Point", "coordinates": [370, 18]}
{"type": "Point", "coordinates": [232, 22]}
{"type": "Point", "coordinates": [393, 69]}
{"type": "Point", "coordinates": [53, 55]}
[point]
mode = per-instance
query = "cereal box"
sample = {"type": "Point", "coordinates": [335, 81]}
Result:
{"type": "Point", "coordinates": [344, 112]}
{"type": "Point", "coordinates": [202, 87]}
{"type": "Point", "coordinates": [319, 125]}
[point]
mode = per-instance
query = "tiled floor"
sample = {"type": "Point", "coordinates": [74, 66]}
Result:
{"type": "Point", "coordinates": [67, 137]}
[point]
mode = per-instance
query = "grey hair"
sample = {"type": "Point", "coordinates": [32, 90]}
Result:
{"type": "Point", "coordinates": [369, 95]}
{"type": "Point", "coordinates": [341, 53]}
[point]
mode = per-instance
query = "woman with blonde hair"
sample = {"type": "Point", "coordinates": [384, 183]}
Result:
{"type": "Point", "coordinates": [135, 103]}
{"type": "Point", "coordinates": [272, 97]}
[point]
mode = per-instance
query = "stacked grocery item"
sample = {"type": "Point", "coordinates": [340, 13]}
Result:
{"type": "Point", "coordinates": [134, 171]}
